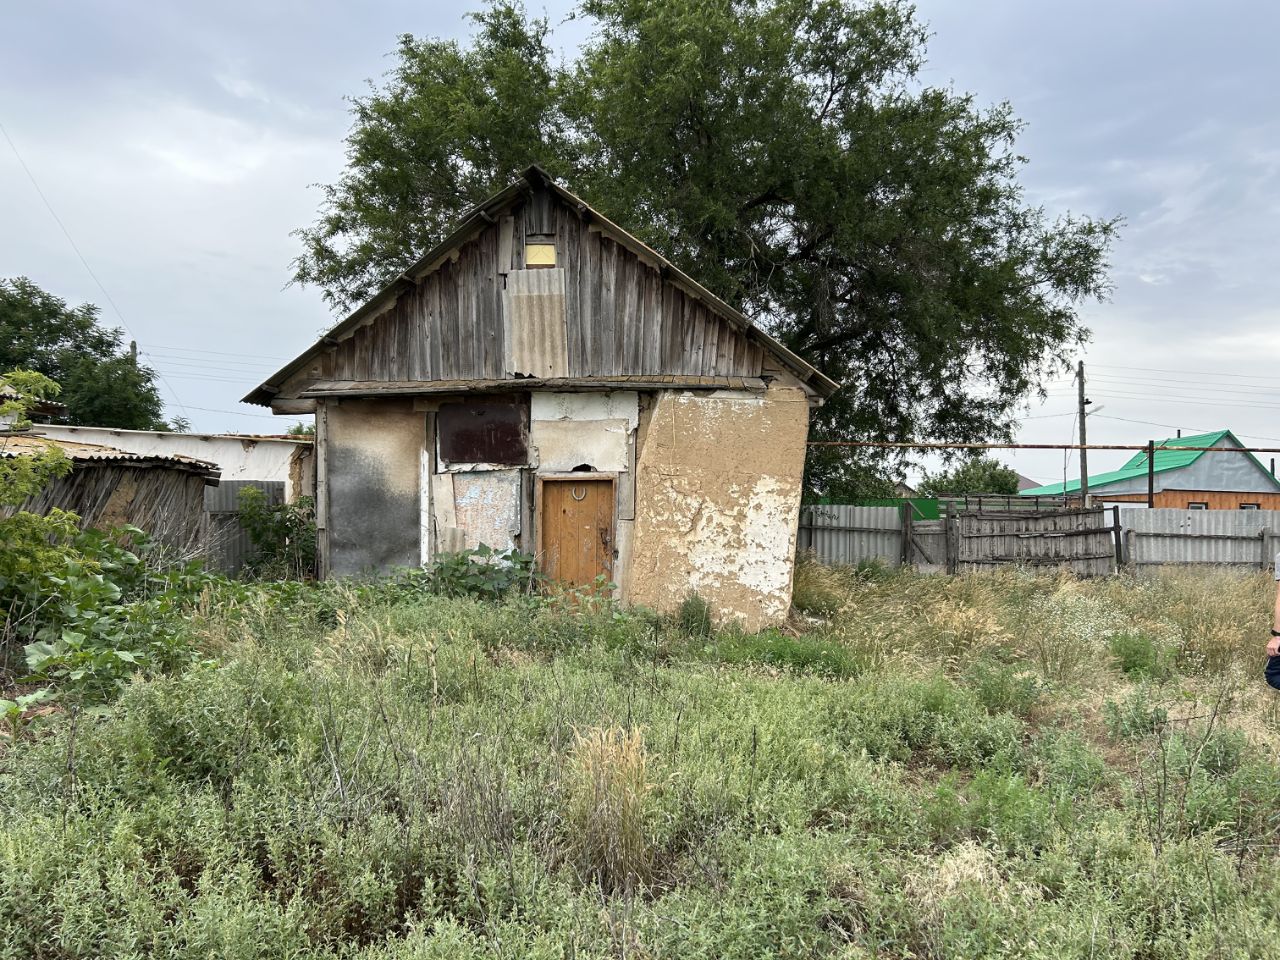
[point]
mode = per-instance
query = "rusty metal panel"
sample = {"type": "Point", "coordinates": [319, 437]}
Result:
{"type": "Point", "coordinates": [483, 431]}
{"type": "Point", "coordinates": [487, 507]}
{"type": "Point", "coordinates": [534, 311]}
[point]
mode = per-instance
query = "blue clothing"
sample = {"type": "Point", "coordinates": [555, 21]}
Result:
{"type": "Point", "coordinates": [1273, 672]}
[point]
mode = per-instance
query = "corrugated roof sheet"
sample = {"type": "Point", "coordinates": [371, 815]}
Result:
{"type": "Point", "coordinates": [18, 444]}
{"type": "Point", "coordinates": [1165, 460]}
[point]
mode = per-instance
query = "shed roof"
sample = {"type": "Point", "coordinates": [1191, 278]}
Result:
{"type": "Point", "coordinates": [27, 444]}
{"type": "Point", "coordinates": [1165, 460]}
{"type": "Point", "coordinates": [480, 217]}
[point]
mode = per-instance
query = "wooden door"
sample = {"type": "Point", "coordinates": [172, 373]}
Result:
{"type": "Point", "coordinates": [577, 530]}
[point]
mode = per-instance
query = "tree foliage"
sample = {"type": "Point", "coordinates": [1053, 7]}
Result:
{"type": "Point", "coordinates": [22, 477]}
{"type": "Point", "coordinates": [785, 153]}
{"type": "Point", "coordinates": [975, 475]}
{"type": "Point", "coordinates": [101, 383]}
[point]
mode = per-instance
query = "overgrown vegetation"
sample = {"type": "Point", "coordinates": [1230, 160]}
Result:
{"type": "Point", "coordinates": [283, 535]}
{"type": "Point", "coordinates": [981, 766]}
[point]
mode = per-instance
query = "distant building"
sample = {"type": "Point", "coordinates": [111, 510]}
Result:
{"type": "Point", "coordinates": [285, 459]}
{"type": "Point", "coordinates": [1026, 483]}
{"type": "Point", "coordinates": [162, 494]}
{"type": "Point", "coordinates": [1183, 479]}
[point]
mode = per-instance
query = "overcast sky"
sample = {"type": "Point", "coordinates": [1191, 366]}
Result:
{"type": "Point", "coordinates": [177, 144]}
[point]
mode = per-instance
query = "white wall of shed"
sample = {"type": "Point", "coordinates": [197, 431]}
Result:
{"type": "Point", "coordinates": [238, 458]}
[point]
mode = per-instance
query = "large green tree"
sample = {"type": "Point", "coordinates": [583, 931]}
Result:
{"type": "Point", "coordinates": [101, 383]}
{"type": "Point", "coordinates": [787, 154]}
{"type": "Point", "coordinates": [975, 475]}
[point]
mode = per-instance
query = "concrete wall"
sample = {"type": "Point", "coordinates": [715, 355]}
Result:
{"type": "Point", "coordinates": [371, 479]}
{"type": "Point", "coordinates": [718, 483]}
{"type": "Point", "coordinates": [238, 458]}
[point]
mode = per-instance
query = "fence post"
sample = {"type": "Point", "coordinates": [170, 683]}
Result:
{"type": "Point", "coordinates": [1130, 537]}
{"type": "Point", "coordinates": [1262, 542]}
{"type": "Point", "coordinates": [1116, 532]}
{"type": "Point", "coordinates": [906, 535]}
{"type": "Point", "coordinates": [951, 540]}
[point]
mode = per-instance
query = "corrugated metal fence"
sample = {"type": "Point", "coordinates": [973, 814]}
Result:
{"type": "Point", "coordinates": [227, 543]}
{"type": "Point", "coordinates": [1247, 538]}
{"type": "Point", "coordinates": [849, 535]}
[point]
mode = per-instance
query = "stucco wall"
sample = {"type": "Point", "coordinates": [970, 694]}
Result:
{"type": "Point", "coordinates": [373, 467]}
{"type": "Point", "coordinates": [718, 482]}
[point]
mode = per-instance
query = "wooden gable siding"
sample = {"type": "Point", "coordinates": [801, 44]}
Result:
{"type": "Point", "coordinates": [622, 318]}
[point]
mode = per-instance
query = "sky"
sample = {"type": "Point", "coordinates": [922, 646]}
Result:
{"type": "Point", "coordinates": [174, 148]}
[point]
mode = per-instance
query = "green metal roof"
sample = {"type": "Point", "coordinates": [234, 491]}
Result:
{"type": "Point", "coordinates": [1165, 461]}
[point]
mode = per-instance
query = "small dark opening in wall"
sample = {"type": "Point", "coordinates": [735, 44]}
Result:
{"type": "Point", "coordinates": [583, 468]}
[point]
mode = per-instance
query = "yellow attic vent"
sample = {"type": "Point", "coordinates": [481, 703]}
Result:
{"type": "Point", "coordinates": [539, 255]}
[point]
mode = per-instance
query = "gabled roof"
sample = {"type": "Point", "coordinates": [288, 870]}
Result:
{"type": "Point", "coordinates": [480, 217]}
{"type": "Point", "coordinates": [1165, 460]}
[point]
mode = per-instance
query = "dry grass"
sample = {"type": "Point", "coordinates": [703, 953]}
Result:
{"type": "Point", "coordinates": [608, 808]}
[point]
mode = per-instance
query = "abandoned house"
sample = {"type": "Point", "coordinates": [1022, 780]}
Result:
{"type": "Point", "coordinates": [544, 381]}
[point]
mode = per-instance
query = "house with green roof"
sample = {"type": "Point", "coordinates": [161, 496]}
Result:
{"type": "Point", "coordinates": [1183, 479]}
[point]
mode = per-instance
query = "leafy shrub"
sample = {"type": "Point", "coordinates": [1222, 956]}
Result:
{"type": "Point", "coordinates": [1003, 687]}
{"type": "Point", "coordinates": [283, 535]}
{"type": "Point", "coordinates": [996, 807]}
{"type": "Point", "coordinates": [1135, 717]}
{"type": "Point", "coordinates": [92, 610]}
{"type": "Point", "coordinates": [808, 653]}
{"type": "Point", "coordinates": [482, 572]}
{"type": "Point", "coordinates": [1139, 657]}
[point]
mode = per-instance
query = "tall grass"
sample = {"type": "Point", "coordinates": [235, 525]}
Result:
{"type": "Point", "coordinates": [608, 813]}
{"type": "Point", "coordinates": [994, 766]}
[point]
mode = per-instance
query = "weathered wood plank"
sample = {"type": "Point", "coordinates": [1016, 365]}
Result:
{"type": "Point", "coordinates": [604, 338]}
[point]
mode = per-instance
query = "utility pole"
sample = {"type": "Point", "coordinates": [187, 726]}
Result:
{"type": "Point", "coordinates": [1084, 454]}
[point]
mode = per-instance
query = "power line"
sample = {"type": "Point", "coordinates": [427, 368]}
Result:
{"type": "Point", "coordinates": [1193, 401]}
{"type": "Point", "coordinates": [1198, 384]}
{"type": "Point", "coordinates": [1174, 426]}
{"type": "Point", "coordinates": [241, 413]}
{"type": "Point", "coordinates": [67, 233]}
{"type": "Point", "coordinates": [1194, 373]}
{"type": "Point", "coordinates": [221, 353]}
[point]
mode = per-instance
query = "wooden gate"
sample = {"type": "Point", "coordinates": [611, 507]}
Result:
{"type": "Point", "coordinates": [575, 528]}
{"type": "Point", "coordinates": [1086, 542]}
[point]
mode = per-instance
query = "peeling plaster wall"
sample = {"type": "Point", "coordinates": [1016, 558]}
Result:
{"type": "Point", "coordinates": [718, 483]}
{"type": "Point", "coordinates": [487, 508]}
{"type": "Point", "coordinates": [372, 476]}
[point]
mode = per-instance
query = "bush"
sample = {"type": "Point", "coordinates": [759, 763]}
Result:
{"type": "Point", "coordinates": [283, 536]}
{"type": "Point", "coordinates": [694, 616]}
{"type": "Point", "coordinates": [1139, 657]}
{"type": "Point", "coordinates": [1135, 717]}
